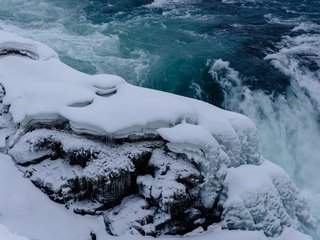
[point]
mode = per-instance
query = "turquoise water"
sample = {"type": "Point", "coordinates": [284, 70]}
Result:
{"type": "Point", "coordinates": [257, 57]}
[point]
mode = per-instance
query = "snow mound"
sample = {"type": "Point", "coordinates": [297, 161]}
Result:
{"type": "Point", "coordinates": [26, 210]}
{"type": "Point", "coordinates": [263, 198]}
{"type": "Point", "coordinates": [12, 44]}
{"type": "Point", "coordinates": [49, 92]}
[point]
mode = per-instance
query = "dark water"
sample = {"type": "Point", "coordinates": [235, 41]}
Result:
{"type": "Point", "coordinates": [260, 58]}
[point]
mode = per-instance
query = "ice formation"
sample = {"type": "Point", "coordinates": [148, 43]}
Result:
{"type": "Point", "coordinates": [262, 197]}
{"type": "Point", "coordinates": [148, 162]}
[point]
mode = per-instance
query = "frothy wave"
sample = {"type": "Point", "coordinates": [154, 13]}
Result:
{"type": "Point", "coordinates": [166, 3]}
{"type": "Point", "coordinates": [299, 58]}
{"type": "Point", "coordinates": [288, 124]}
{"type": "Point", "coordinates": [88, 47]}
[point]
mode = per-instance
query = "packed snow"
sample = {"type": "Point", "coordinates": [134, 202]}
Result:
{"type": "Point", "coordinates": [7, 235]}
{"type": "Point", "coordinates": [26, 210]}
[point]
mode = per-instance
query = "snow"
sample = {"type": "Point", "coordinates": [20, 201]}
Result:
{"type": "Point", "coordinates": [5, 234]}
{"type": "Point", "coordinates": [263, 198]}
{"type": "Point", "coordinates": [132, 212]}
{"type": "Point", "coordinates": [101, 104]}
{"type": "Point", "coordinates": [33, 49]}
{"type": "Point", "coordinates": [166, 187]}
{"type": "Point", "coordinates": [188, 133]}
{"type": "Point", "coordinates": [26, 210]}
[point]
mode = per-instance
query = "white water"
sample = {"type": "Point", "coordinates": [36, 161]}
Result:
{"type": "Point", "coordinates": [288, 124]}
{"type": "Point", "coordinates": [86, 46]}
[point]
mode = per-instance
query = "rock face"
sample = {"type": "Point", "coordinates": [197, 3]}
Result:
{"type": "Point", "coordinates": [157, 186]}
{"type": "Point", "coordinates": [150, 163]}
{"type": "Point", "coordinates": [91, 177]}
{"type": "Point", "coordinates": [72, 169]}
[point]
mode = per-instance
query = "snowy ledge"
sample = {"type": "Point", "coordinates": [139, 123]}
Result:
{"type": "Point", "coordinates": [41, 91]}
{"type": "Point", "coordinates": [46, 91]}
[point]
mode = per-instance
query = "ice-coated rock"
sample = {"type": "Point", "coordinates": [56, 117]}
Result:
{"type": "Point", "coordinates": [263, 198]}
{"type": "Point", "coordinates": [134, 214]}
{"type": "Point", "coordinates": [7, 127]}
{"type": "Point", "coordinates": [11, 44]}
{"type": "Point", "coordinates": [198, 144]}
{"type": "Point", "coordinates": [74, 168]}
{"type": "Point", "coordinates": [172, 183]}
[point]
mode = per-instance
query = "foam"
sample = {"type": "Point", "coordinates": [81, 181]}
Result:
{"type": "Point", "coordinates": [287, 125]}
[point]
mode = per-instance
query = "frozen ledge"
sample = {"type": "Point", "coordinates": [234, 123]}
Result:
{"type": "Point", "coordinates": [46, 91]}
{"type": "Point", "coordinates": [11, 44]}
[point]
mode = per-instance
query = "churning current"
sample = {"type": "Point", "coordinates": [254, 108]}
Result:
{"type": "Point", "coordinates": [257, 57]}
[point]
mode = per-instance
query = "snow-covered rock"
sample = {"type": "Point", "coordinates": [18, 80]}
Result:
{"type": "Point", "coordinates": [106, 105]}
{"type": "Point", "coordinates": [26, 210]}
{"type": "Point", "coordinates": [172, 182]}
{"type": "Point", "coordinates": [150, 162]}
{"type": "Point", "coordinates": [263, 198]}
{"type": "Point", "coordinates": [133, 215]}
{"type": "Point", "coordinates": [75, 168]}
{"type": "Point", "coordinates": [13, 44]}
{"type": "Point", "coordinates": [7, 127]}
{"type": "Point", "coordinates": [200, 146]}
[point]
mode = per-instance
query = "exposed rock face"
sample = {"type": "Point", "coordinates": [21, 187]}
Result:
{"type": "Point", "coordinates": [91, 177]}
{"type": "Point", "coordinates": [7, 127]}
{"type": "Point", "coordinates": [72, 169]}
{"type": "Point", "coordinates": [143, 187]}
